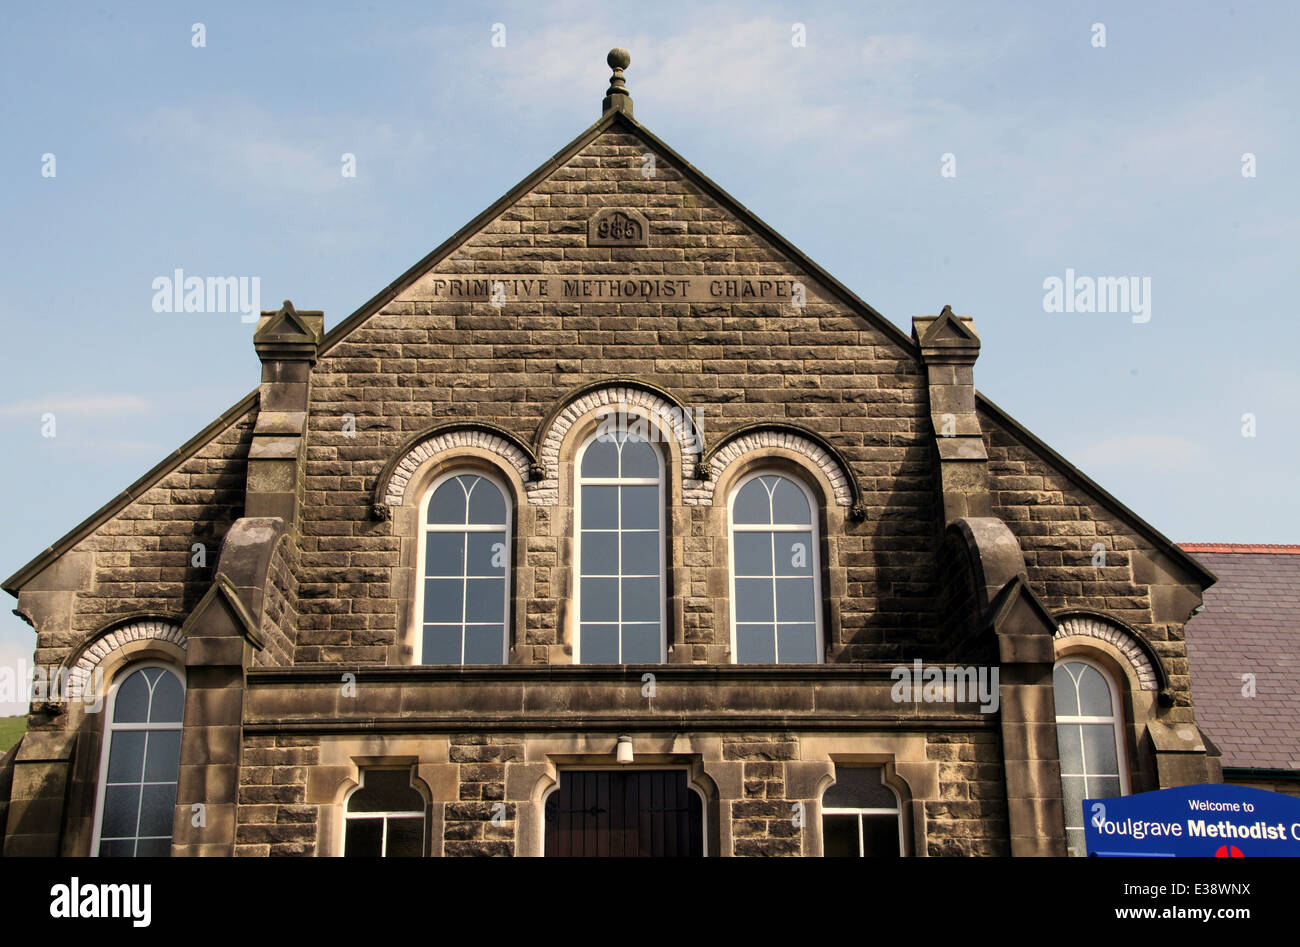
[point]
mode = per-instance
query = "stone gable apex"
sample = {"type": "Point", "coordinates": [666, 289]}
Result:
{"type": "Point", "coordinates": [449, 258]}
{"type": "Point", "coordinates": [613, 122]}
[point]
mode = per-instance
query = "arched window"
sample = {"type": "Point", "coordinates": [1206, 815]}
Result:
{"type": "Point", "coordinates": [620, 550]}
{"type": "Point", "coordinates": [384, 816]}
{"type": "Point", "coordinates": [1090, 737]}
{"type": "Point", "coordinates": [861, 816]}
{"type": "Point", "coordinates": [775, 573]}
{"type": "Point", "coordinates": [465, 564]}
{"type": "Point", "coordinates": [142, 755]}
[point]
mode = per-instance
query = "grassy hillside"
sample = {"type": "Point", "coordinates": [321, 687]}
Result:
{"type": "Point", "coordinates": [11, 728]}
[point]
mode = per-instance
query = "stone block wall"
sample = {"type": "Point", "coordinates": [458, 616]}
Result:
{"type": "Point", "coordinates": [420, 361]}
{"type": "Point", "coordinates": [764, 822]}
{"type": "Point", "coordinates": [139, 561]}
{"type": "Point", "coordinates": [486, 788]}
{"type": "Point", "coordinates": [481, 821]}
{"type": "Point", "coordinates": [1058, 524]}
{"type": "Point", "coordinates": [272, 817]}
{"type": "Point", "coordinates": [280, 609]}
{"type": "Point", "coordinates": [970, 816]}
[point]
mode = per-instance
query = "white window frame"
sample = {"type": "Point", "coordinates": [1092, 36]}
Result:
{"type": "Point", "coordinates": [896, 812]}
{"type": "Point", "coordinates": [106, 746]}
{"type": "Point", "coordinates": [423, 814]}
{"type": "Point", "coordinates": [1116, 720]}
{"type": "Point", "coordinates": [579, 481]}
{"type": "Point", "coordinates": [422, 565]}
{"type": "Point", "coordinates": [812, 527]}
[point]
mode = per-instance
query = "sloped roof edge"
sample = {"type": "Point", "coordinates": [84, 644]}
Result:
{"type": "Point", "coordinates": [388, 293]}
{"type": "Point", "coordinates": [130, 494]}
{"type": "Point", "coordinates": [1248, 549]}
{"type": "Point", "coordinates": [1086, 483]}
{"type": "Point", "coordinates": [609, 119]}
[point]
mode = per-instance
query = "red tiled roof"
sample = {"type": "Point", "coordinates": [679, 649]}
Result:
{"type": "Point", "coordinates": [1271, 549]}
{"type": "Point", "coordinates": [1250, 625]}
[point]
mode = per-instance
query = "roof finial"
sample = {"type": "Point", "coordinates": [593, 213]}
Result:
{"type": "Point", "coordinates": [616, 96]}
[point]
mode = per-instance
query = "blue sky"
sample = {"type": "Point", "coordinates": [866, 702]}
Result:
{"type": "Point", "coordinates": [225, 160]}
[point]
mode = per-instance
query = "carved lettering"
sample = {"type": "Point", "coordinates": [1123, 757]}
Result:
{"type": "Point", "coordinates": [781, 290]}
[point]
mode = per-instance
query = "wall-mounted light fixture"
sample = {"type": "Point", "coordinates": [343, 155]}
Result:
{"type": "Point", "coordinates": [623, 752]}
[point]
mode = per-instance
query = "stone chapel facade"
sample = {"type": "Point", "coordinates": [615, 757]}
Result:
{"type": "Point", "coordinates": [605, 529]}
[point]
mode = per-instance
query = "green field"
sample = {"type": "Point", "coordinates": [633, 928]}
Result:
{"type": "Point", "coordinates": [11, 728]}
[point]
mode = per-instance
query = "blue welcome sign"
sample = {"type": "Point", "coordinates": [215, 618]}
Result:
{"type": "Point", "coordinates": [1194, 821]}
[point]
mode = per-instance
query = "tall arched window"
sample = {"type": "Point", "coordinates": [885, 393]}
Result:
{"type": "Point", "coordinates": [775, 573]}
{"type": "Point", "coordinates": [465, 564]}
{"type": "Point", "coordinates": [620, 550]}
{"type": "Point", "coordinates": [1090, 737]}
{"type": "Point", "coordinates": [142, 755]}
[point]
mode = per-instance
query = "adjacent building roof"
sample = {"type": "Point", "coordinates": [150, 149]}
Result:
{"type": "Point", "coordinates": [1250, 626]}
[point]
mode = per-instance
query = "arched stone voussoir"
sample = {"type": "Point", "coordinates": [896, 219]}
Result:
{"type": "Point", "coordinates": [759, 438]}
{"type": "Point", "coordinates": [616, 395]}
{"type": "Point", "coordinates": [1146, 664]}
{"type": "Point", "coordinates": [113, 639]}
{"type": "Point", "coordinates": [390, 487]}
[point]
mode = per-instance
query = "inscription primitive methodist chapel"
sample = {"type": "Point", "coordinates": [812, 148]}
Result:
{"type": "Point", "coordinates": [615, 526]}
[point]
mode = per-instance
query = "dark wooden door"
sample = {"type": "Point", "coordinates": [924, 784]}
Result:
{"type": "Point", "coordinates": [624, 813]}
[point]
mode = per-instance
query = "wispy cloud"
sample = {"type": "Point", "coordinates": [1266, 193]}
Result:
{"type": "Point", "coordinates": [253, 152]}
{"type": "Point", "coordinates": [1147, 451]}
{"type": "Point", "coordinates": [741, 75]}
{"type": "Point", "coordinates": [77, 405]}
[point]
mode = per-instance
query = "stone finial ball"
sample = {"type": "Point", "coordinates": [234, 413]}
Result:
{"type": "Point", "coordinates": [618, 58]}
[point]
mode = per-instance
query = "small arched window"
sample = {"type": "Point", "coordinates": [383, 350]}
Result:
{"type": "Point", "coordinates": [775, 573]}
{"type": "Point", "coordinates": [1090, 739]}
{"type": "Point", "coordinates": [465, 564]}
{"type": "Point", "coordinates": [861, 816]}
{"type": "Point", "coordinates": [141, 759]}
{"type": "Point", "coordinates": [620, 550]}
{"type": "Point", "coordinates": [384, 816]}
